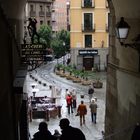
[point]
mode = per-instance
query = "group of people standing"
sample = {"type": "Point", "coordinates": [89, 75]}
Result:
{"type": "Point", "coordinates": [82, 108]}
{"type": "Point", "coordinates": [68, 132]}
{"type": "Point", "coordinates": [71, 100]}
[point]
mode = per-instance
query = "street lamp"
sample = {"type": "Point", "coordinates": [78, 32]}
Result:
{"type": "Point", "coordinates": [122, 31]}
{"type": "Point", "coordinates": [64, 53]}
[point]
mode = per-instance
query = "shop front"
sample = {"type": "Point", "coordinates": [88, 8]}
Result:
{"type": "Point", "coordinates": [88, 58]}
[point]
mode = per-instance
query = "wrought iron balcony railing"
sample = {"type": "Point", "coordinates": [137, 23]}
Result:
{"type": "Point", "coordinates": [41, 13]}
{"type": "Point", "coordinates": [88, 3]}
{"type": "Point", "coordinates": [107, 28]}
{"type": "Point", "coordinates": [32, 13]}
{"type": "Point", "coordinates": [88, 28]}
{"type": "Point", "coordinates": [48, 14]}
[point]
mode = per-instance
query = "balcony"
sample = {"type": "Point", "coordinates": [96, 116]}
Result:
{"type": "Point", "coordinates": [88, 28]}
{"type": "Point", "coordinates": [53, 9]}
{"type": "Point", "coordinates": [53, 19]}
{"type": "Point", "coordinates": [106, 27]}
{"type": "Point", "coordinates": [32, 13]}
{"type": "Point", "coordinates": [48, 14]}
{"type": "Point", "coordinates": [88, 4]}
{"type": "Point", "coordinates": [41, 14]}
{"type": "Point", "coordinates": [106, 3]}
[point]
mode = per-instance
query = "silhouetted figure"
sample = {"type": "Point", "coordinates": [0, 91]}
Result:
{"type": "Point", "coordinates": [56, 134]}
{"type": "Point", "coordinates": [32, 29]}
{"type": "Point", "coordinates": [69, 132]}
{"type": "Point", "coordinates": [90, 92]}
{"type": "Point", "coordinates": [43, 133]}
{"type": "Point", "coordinates": [136, 133]}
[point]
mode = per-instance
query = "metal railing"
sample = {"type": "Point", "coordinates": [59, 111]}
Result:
{"type": "Point", "coordinates": [32, 13]}
{"type": "Point", "coordinates": [88, 4]}
{"type": "Point", "coordinates": [88, 28]}
{"type": "Point", "coordinates": [41, 13]}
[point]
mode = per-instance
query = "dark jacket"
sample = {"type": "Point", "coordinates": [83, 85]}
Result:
{"type": "Point", "coordinates": [43, 136]}
{"type": "Point", "coordinates": [136, 133]}
{"type": "Point", "coordinates": [91, 91]}
{"type": "Point", "coordinates": [72, 133]}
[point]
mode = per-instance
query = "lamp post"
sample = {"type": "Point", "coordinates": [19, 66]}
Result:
{"type": "Point", "coordinates": [64, 53]}
{"type": "Point", "coordinates": [122, 31]}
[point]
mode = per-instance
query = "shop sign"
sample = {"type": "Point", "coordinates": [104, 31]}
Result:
{"type": "Point", "coordinates": [88, 52]}
{"type": "Point", "coordinates": [33, 52]}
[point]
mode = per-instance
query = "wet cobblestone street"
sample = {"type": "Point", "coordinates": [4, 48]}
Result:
{"type": "Point", "coordinates": [92, 131]}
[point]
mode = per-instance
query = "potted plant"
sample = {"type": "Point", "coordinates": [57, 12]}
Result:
{"type": "Point", "coordinates": [98, 83]}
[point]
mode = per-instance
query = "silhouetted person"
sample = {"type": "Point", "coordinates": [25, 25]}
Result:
{"type": "Point", "coordinates": [43, 133]}
{"type": "Point", "coordinates": [69, 132]}
{"type": "Point", "coordinates": [56, 134]}
{"type": "Point", "coordinates": [90, 92]}
{"type": "Point", "coordinates": [32, 29]}
{"type": "Point", "coordinates": [136, 133]}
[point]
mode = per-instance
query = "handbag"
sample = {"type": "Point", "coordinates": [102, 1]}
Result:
{"type": "Point", "coordinates": [77, 114]}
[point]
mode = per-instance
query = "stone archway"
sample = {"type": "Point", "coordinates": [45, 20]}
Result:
{"type": "Point", "coordinates": [123, 81]}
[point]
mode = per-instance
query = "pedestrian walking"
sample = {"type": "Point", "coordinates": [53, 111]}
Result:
{"type": "Point", "coordinates": [93, 110]}
{"type": "Point", "coordinates": [43, 133]}
{"type": "Point", "coordinates": [66, 94]}
{"type": "Point", "coordinates": [90, 92]}
{"type": "Point", "coordinates": [69, 103]}
{"type": "Point", "coordinates": [74, 98]}
{"type": "Point", "coordinates": [69, 132]}
{"type": "Point", "coordinates": [82, 111]}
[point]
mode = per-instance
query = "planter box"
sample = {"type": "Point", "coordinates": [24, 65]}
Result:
{"type": "Point", "coordinates": [76, 80]}
{"type": "Point", "coordinates": [57, 72]}
{"type": "Point", "coordinates": [98, 85]}
{"type": "Point", "coordinates": [69, 77]}
{"type": "Point", "coordinates": [86, 83]}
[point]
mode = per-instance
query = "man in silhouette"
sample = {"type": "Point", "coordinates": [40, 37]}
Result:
{"type": "Point", "coordinates": [32, 29]}
{"type": "Point", "coordinates": [69, 132]}
{"type": "Point", "coordinates": [43, 133]}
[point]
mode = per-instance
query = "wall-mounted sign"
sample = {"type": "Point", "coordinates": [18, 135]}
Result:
{"type": "Point", "coordinates": [33, 52]}
{"type": "Point", "coordinates": [88, 52]}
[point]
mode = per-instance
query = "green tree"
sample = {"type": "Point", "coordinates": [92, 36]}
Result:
{"type": "Point", "coordinates": [64, 37]}
{"type": "Point", "coordinates": [57, 47]}
{"type": "Point", "coordinates": [45, 33]}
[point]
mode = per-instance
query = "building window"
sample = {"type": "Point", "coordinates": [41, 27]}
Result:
{"type": "Point", "coordinates": [48, 22]}
{"type": "Point", "coordinates": [31, 7]}
{"type": "Point", "coordinates": [87, 3]}
{"type": "Point", "coordinates": [41, 8]}
{"type": "Point", "coordinates": [88, 25]}
{"type": "Point", "coordinates": [41, 22]}
{"type": "Point", "coordinates": [48, 9]}
{"type": "Point", "coordinates": [88, 41]}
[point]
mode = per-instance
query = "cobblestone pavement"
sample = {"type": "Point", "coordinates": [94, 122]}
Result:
{"type": "Point", "coordinates": [92, 131]}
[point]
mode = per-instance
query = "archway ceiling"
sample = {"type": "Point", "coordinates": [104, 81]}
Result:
{"type": "Point", "coordinates": [13, 8]}
{"type": "Point", "coordinates": [127, 8]}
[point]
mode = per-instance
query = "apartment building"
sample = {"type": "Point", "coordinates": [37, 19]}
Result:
{"type": "Point", "coordinates": [89, 33]}
{"type": "Point", "coordinates": [41, 10]}
{"type": "Point", "coordinates": [60, 15]}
